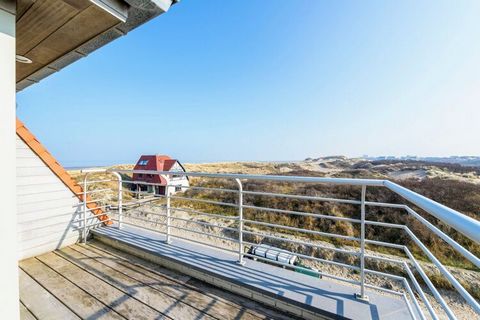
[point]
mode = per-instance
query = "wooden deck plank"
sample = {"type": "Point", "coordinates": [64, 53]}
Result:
{"type": "Point", "coordinates": [25, 314]}
{"type": "Point", "coordinates": [174, 283]}
{"type": "Point", "coordinates": [226, 305]}
{"type": "Point", "coordinates": [122, 303]}
{"type": "Point", "coordinates": [174, 308]}
{"type": "Point", "coordinates": [68, 293]}
{"type": "Point", "coordinates": [211, 305]}
{"type": "Point", "coordinates": [40, 302]}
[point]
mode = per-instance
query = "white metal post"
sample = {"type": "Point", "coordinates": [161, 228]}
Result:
{"type": "Point", "coordinates": [240, 222]}
{"type": "Point", "coordinates": [84, 199]}
{"type": "Point", "coordinates": [167, 190]}
{"type": "Point", "coordinates": [362, 295]}
{"type": "Point", "coordinates": [120, 198]}
{"type": "Point", "coordinates": [8, 228]}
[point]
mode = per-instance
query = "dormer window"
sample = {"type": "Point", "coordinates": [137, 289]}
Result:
{"type": "Point", "coordinates": [143, 162]}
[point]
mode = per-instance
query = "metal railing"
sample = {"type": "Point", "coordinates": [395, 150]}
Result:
{"type": "Point", "coordinates": [248, 229]}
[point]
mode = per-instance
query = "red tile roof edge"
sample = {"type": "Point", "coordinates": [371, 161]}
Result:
{"type": "Point", "coordinates": [35, 145]}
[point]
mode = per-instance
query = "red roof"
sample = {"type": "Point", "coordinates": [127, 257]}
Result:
{"type": "Point", "coordinates": [168, 164]}
{"type": "Point", "coordinates": [153, 163]}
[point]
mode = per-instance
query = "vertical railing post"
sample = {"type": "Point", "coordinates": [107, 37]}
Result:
{"type": "Point", "coordinates": [169, 212]}
{"type": "Point", "coordinates": [362, 295]}
{"type": "Point", "coordinates": [84, 199]}
{"type": "Point", "coordinates": [120, 198]}
{"type": "Point", "coordinates": [240, 222]}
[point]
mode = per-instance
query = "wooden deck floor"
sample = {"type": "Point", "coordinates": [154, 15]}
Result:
{"type": "Point", "coordinates": [99, 282]}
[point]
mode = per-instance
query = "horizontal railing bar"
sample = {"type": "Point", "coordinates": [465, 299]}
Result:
{"type": "Point", "coordinates": [144, 220]}
{"type": "Point", "coordinates": [371, 286]}
{"type": "Point", "coordinates": [98, 181]}
{"type": "Point", "coordinates": [91, 201]}
{"type": "Point", "coordinates": [354, 253]}
{"type": "Point", "coordinates": [384, 204]}
{"type": "Point", "coordinates": [203, 233]}
{"type": "Point", "coordinates": [88, 218]}
{"type": "Point", "coordinates": [301, 197]}
{"type": "Point", "coordinates": [138, 192]}
{"type": "Point", "coordinates": [93, 224]}
{"type": "Point", "coordinates": [204, 223]}
{"type": "Point", "coordinates": [143, 183]}
{"type": "Point", "coordinates": [384, 224]}
{"type": "Point", "coordinates": [204, 188]}
{"type": "Point", "coordinates": [138, 226]}
{"type": "Point", "coordinates": [387, 275]}
{"type": "Point", "coordinates": [326, 234]}
{"type": "Point", "coordinates": [384, 259]}
{"type": "Point", "coordinates": [147, 212]}
{"type": "Point", "coordinates": [139, 206]}
{"type": "Point", "coordinates": [92, 191]}
{"type": "Point", "coordinates": [300, 213]}
{"type": "Point", "coordinates": [219, 203]}
{"type": "Point", "coordinates": [97, 208]}
{"type": "Point", "coordinates": [93, 170]}
{"type": "Point", "coordinates": [340, 264]}
{"type": "Point", "coordinates": [321, 180]}
{"type": "Point", "coordinates": [384, 244]}
{"type": "Point", "coordinates": [214, 215]}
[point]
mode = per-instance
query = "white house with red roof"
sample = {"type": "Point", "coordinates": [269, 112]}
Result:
{"type": "Point", "coordinates": [159, 184]}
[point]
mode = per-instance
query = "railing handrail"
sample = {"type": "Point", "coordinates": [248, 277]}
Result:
{"type": "Point", "coordinates": [346, 181]}
{"type": "Point", "coordinates": [462, 223]}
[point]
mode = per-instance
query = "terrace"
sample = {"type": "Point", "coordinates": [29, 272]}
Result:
{"type": "Point", "coordinates": [213, 245]}
{"type": "Point", "coordinates": [97, 248]}
{"type": "Point", "coordinates": [97, 281]}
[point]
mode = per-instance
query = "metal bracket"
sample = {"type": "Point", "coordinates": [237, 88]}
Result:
{"type": "Point", "coordinates": [361, 298]}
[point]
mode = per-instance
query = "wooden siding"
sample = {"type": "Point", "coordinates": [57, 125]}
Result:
{"type": "Point", "coordinates": [46, 207]}
{"type": "Point", "coordinates": [49, 29]}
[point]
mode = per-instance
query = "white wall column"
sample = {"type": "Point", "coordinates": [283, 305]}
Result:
{"type": "Point", "coordinates": [9, 305]}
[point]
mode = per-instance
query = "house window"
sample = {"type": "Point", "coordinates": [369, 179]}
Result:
{"type": "Point", "coordinates": [143, 162]}
{"type": "Point", "coordinates": [178, 188]}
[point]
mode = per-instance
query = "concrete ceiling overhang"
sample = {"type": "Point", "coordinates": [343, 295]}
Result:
{"type": "Point", "coordinates": [55, 33]}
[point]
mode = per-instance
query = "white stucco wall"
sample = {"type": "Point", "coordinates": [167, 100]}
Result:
{"type": "Point", "coordinates": [46, 207]}
{"type": "Point", "coordinates": [9, 270]}
{"type": "Point", "coordinates": [177, 181]}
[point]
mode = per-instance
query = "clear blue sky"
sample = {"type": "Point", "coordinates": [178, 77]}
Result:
{"type": "Point", "coordinates": [220, 80]}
